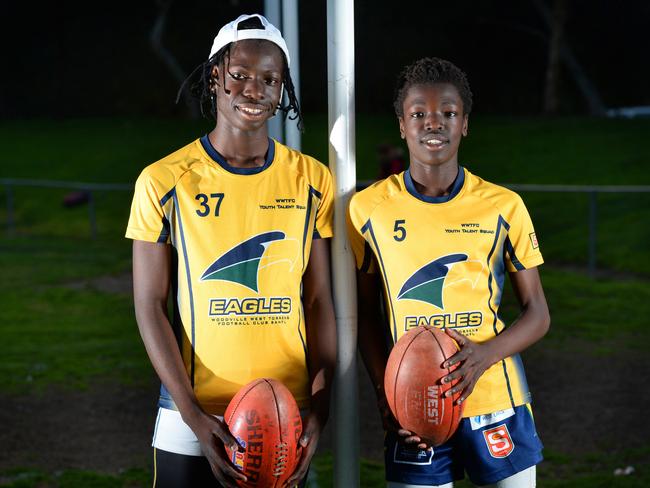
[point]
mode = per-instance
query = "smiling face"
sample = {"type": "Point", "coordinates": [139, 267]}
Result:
{"type": "Point", "coordinates": [433, 124]}
{"type": "Point", "coordinates": [248, 84]}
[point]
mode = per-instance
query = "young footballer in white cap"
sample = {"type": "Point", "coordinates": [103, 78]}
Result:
{"type": "Point", "coordinates": [236, 227]}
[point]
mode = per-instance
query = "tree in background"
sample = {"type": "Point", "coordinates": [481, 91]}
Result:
{"type": "Point", "coordinates": [559, 51]}
{"type": "Point", "coordinates": [166, 56]}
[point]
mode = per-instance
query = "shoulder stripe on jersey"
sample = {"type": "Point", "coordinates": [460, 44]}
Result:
{"type": "Point", "coordinates": [316, 234]}
{"type": "Point", "coordinates": [367, 257]}
{"type": "Point", "coordinates": [502, 226]}
{"type": "Point", "coordinates": [367, 227]}
{"type": "Point", "coordinates": [221, 161]}
{"type": "Point", "coordinates": [177, 321]}
{"type": "Point", "coordinates": [313, 192]}
{"type": "Point", "coordinates": [166, 229]}
{"type": "Point", "coordinates": [167, 196]}
{"type": "Point", "coordinates": [513, 257]}
{"type": "Point", "coordinates": [189, 286]}
{"type": "Point", "coordinates": [164, 232]}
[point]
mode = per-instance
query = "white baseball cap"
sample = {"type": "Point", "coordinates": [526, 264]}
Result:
{"type": "Point", "coordinates": [230, 33]}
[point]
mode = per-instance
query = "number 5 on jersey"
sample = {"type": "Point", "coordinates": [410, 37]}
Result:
{"type": "Point", "coordinates": [205, 201]}
{"type": "Point", "coordinates": [400, 230]}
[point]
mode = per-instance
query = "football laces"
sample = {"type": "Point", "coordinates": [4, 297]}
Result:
{"type": "Point", "coordinates": [281, 454]}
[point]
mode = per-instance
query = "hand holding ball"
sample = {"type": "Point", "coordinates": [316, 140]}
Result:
{"type": "Point", "coordinates": [264, 418]}
{"type": "Point", "coordinates": [414, 388]}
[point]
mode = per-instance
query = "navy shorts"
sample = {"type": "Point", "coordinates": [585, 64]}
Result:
{"type": "Point", "coordinates": [488, 447]}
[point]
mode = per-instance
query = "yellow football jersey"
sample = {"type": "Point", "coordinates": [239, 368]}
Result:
{"type": "Point", "coordinates": [241, 240]}
{"type": "Point", "coordinates": [443, 263]}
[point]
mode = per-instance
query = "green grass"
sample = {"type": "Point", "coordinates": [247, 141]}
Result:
{"type": "Point", "coordinates": [371, 474]}
{"type": "Point", "coordinates": [73, 478]}
{"type": "Point", "coordinates": [27, 262]}
{"type": "Point", "coordinates": [591, 310]}
{"type": "Point", "coordinates": [594, 470]}
{"type": "Point", "coordinates": [562, 224]}
{"type": "Point", "coordinates": [69, 337]}
{"type": "Point", "coordinates": [557, 471]}
{"type": "Point", "coordinates": [90, 150]}
{"type": "Point", "coordinates": [559, 150]}
{"type": "Point", "coordinates": [588, 311]}
{"type": "Point", "coordinates": [58, 331]}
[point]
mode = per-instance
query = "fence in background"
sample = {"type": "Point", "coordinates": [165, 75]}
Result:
{"type": "Point", "coordinates": [591, 191]}
{"type": "Point", "coordinates": [89, 188]}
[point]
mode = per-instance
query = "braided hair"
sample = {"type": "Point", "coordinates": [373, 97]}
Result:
{"type": "Point", "coordinates": [427, 71]}
{"type": "Point", "coordinates": [202, 83]}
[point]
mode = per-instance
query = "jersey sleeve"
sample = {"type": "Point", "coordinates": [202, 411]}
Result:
{"type": "Point", "coordinates": [325, 213]}
{"type": "Point", "coordinates": [147, 221]}
{"type": "Point", "coordinates": [363, 256]}
{"type": "Point", "coordinates": [521, 246]}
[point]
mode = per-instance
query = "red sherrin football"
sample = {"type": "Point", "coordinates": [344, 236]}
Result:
{"type": "Point", "coordinates": [413, 387]}
{"type": "Point", "coordinates": [264, 417]}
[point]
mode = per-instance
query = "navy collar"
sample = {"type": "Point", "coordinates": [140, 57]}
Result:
{"type": "Point", "coordinates": [218, 158]}
{"type": "Point", "coordinates": [455, 188]}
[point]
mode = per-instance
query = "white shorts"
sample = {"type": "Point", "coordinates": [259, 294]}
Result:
{"type": "Point", "coordinates": [172, 434]}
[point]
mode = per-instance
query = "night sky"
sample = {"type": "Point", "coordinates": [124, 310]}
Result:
{"type": "Point", "coordinates": [61, 60]}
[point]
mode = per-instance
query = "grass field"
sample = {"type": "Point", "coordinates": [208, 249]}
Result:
{"type": "Point", "coordinates": [58, 332]}
{"type": "Point", "coordinates": [502, 150]}
{"type": "Point", "coordinates": [584, 473]}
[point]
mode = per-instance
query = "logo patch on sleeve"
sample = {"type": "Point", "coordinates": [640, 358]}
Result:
{"type": "Point", "coordinates": [498, 441]}
{"type": "Point", "coordinates": [533, 240]}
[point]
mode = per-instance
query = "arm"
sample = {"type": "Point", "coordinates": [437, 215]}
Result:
{"type": "Point", "coordinates": [321, 347]}
{"type": "Point", "coordinates": [373, 344]}
{"type": "Point", "coordinates": [151, 278]}
{"type": "Point", "coordinates": [372, 336]}
{"type": "Point", "coordinates": [531, 325]}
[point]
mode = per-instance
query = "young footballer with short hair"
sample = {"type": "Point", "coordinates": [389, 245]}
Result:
{"type": "Point", "coordinates": [237, 227]}
{"type": "Point", "coordinates": [443, 230]}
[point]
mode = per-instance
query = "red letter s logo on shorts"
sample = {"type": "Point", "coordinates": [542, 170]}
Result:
{"type": "Point", "coordinates": [498, 441]}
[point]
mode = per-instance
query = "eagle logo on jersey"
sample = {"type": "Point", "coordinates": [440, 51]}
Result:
{"type": "Point", "coordinates": [242, 263]}
{"type": "Point", "coordinates": [427, 283]}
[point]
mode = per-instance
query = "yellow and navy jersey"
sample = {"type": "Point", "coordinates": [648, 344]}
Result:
{"type": "Point", "coordinates": [443, 263]}
{"type": "Point", "coordinates": [241, 240]}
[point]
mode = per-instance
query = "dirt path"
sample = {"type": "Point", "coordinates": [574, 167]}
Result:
{"type": "Point", "coordinates": [582, 404]}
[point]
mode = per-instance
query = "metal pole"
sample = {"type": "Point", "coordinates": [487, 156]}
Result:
{"type": "Point", "coordinates": [340, 85]}
{"type": "Point", "coordinates": [290, 30]}
{"type": "Point", "coordinates": [593, 221]}
{"type": "Point", "coordinates": [10, 210]}
{"type": "Point", "coordinates": [273, 12]}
